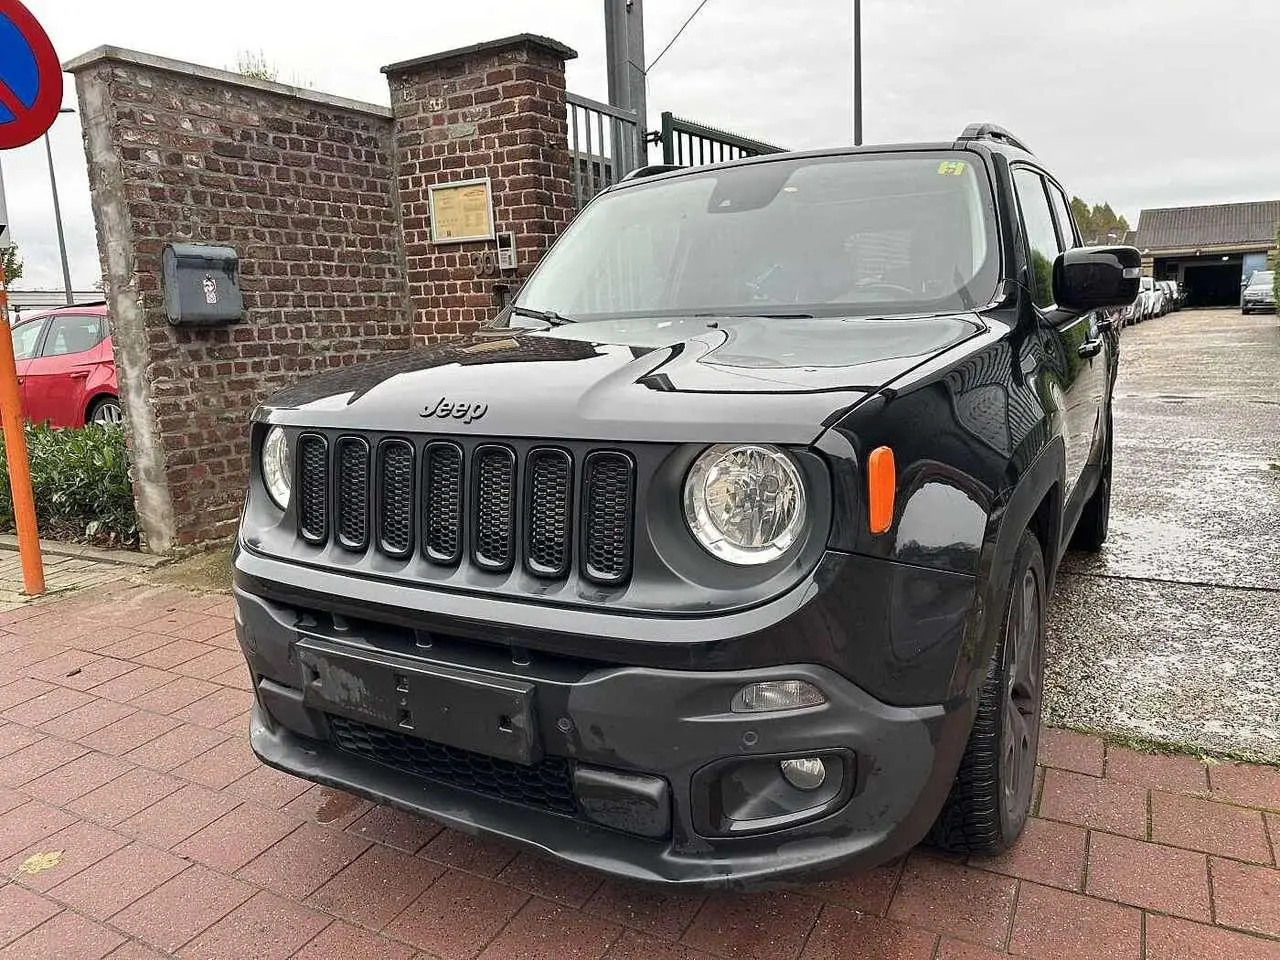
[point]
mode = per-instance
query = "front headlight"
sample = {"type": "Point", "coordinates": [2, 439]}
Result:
{"type": "Point", "coordinates": [744, 503]}
{"type": "Point", "coordinates": [277, 467]}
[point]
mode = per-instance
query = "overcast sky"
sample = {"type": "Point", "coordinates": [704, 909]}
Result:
{"type": "Point", "coordinates": [1142, 103]}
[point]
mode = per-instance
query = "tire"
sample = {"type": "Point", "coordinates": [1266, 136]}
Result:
{"type": "Point", "coordinates": [991, 797]}
{"type": "Point", "coordinates": [1095, 519]}
{"type": "Point", "coordinates": [105, 410]}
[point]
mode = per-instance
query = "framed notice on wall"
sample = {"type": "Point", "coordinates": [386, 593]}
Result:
{"type": "Point", "coordinates": [461, 211]}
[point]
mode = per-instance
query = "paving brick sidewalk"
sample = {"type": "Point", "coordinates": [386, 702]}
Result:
{"type": "Point", "coordinates": [122, 745]}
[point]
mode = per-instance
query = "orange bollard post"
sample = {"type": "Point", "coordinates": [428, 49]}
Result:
{"type": "Point", "coordinates": [15, 446]}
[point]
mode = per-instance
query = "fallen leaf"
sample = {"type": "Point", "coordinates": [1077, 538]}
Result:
{"type": "Point", "coordinates": [39, 862]}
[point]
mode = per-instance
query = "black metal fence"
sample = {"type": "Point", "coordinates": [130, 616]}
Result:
{"type": "Point", "coordinates": [692, 144]}
{"type": "Point", "coordinates": [605, 144]}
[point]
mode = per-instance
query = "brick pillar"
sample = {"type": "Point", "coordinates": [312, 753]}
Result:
{"type": "Point", "coordinates": [493, 110]}
{"type": "Point", "coordinates": [301, 184]}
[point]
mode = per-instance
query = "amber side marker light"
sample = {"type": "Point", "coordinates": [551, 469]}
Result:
{"type": "Point", "coordinates": [882, 482]}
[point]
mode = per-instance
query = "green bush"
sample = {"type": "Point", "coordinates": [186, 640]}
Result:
{"type": "Point", "coordinates": [80, 479]}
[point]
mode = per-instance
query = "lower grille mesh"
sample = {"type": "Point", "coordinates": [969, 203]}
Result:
{"type": "Point", "coordinates": [547, 785]}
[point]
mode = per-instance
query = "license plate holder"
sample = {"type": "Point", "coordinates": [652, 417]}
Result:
{"type": "Point", "coordinates": [447, 705]}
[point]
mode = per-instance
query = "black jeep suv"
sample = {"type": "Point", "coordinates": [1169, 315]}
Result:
{"type": "Point", "coordinates": [722, 555]}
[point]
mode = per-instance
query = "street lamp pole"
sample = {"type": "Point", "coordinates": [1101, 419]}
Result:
{"type": "Point", "coordinates": [857, 73]}
{"type": "Point", "coordinates": [57, 215]}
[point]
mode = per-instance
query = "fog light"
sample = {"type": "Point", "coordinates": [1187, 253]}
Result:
{"type": "Point", "coordinates": [776, 695]}
{"type": "Point", "coordinates": [806, 773]}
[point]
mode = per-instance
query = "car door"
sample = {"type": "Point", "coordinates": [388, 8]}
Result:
{"type": "Point", "coordinates": [1099, 351]}
{"type": "Point", "coordinates": [55, 380]}
{"type": "Point", "coordinates": [26, 344]}
{"type": "Point", "coordinates": [1070, 342]}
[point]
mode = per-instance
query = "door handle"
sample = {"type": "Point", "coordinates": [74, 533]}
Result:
{"type": "Point", "coordinates": [80, 374]}
{"type": "Point", "coordinates": [1090, 348]}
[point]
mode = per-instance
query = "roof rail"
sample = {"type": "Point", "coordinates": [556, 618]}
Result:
{"type": "Point", "coordinates": [652, 170]}
{"type": "Point", "coordinates": [993, 131]}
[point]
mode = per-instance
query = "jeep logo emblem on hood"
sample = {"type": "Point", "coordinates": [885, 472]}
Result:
{"type": "Point", "coordinates": [444, 408]}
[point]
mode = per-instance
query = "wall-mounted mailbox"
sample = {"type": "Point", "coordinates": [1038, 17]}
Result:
{"type": "Point", "coordinates": [202, 285]}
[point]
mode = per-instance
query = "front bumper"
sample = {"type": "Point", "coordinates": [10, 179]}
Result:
{"type": "Point", "coordinates": [671, 727]}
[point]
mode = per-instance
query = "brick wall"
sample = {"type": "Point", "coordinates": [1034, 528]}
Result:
{"type": "Point", "coordinates": [301, 185]}
{"type": "Point", "coordinates": [494, 110]}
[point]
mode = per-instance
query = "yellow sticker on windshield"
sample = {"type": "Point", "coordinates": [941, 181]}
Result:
{"type": "Point", "coordinates": [951, 168]}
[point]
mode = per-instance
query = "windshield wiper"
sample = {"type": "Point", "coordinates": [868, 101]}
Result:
{"type": "Point", "coordinates": [546, 316]}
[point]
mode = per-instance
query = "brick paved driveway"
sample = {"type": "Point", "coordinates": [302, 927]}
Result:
{"type": "Point", "coordinates": [122, 745]}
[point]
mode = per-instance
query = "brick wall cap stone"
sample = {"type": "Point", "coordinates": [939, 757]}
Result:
{"type": "Point", "coordinates": [105, 54]}
{"type": "Point", "coordinates": [546, 44]}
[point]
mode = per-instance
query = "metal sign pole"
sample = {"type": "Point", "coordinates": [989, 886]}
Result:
{"type": "Point", "coordinates": [15, 448]}
{"type": "Point", "coordinates": [31, 94]}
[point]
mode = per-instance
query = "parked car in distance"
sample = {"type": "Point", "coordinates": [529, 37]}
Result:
{"type": "Point", "coordinates": [1132, 313]}
{"type": "Point", "coordinates": [1172, 297]}
{"type": "Point", "coordinates": [722, 555]}
{"type": "Point", "coordinates": [1158, 308]}
{"type": "Point", "coordinates": [1147, 297]}
{"type": "Point", "coordinates": [66, 370]}
{"type": "Point", "coordinates": [1260, 293]}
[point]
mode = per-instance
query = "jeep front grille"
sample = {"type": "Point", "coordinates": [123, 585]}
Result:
{"type": "Point", "coordinates": [549, 493]}
{"type": "Point", "coordinates": [353, 493]}
{"type": "Point", "coordinates": [313, 488]}
{"type": "Point", "coordinates": [608, 491]}
{"type": "Point", "coordinates": [442, 503]}
{"type": "Point", "coordinates": [395, 498]}
{"type": "Point", "coordinates": [494, 500]}
{"type": "Point", "coordinates": [486, 504]}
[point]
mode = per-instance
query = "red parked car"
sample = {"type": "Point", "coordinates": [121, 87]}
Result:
{"type": "Point", "coordinates": [66, 370]}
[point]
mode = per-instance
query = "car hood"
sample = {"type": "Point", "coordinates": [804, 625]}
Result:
{"type": "Point", "coordinates": [672, 380]}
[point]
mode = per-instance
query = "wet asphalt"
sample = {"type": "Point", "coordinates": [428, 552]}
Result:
{"type": "Point", "coordinates": [1172, 632]}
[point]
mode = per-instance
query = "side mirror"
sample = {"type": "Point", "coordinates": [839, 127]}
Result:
{"type": "Point", "coordinates": [1096, 278]}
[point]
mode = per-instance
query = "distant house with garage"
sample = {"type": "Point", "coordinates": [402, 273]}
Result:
{"type": "Point", "coordinates": [1211, 249]}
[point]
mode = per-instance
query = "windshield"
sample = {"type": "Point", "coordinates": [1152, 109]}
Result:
{"type": "Point", "coordinates": [870, 235]}
{"type": "Point", "coordinates": [1263, 278]}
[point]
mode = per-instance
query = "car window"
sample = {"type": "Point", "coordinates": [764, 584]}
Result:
{"type": "Point", "coordinates": [1061, 210]}
{"type": "Point", "coordinates": [1262, 278]}
{"type": "Point", "coordinates": [72, 333]}
{"type": "Point", "coordinates": [26, 336]}
{"type": "Point", "coordinates": [1041, 235]}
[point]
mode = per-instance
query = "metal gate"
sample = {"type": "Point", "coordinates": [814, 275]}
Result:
{"type": "Point", "coordinates": [605, 144]}
{"type": "Point", "coordinates": [692, 144]}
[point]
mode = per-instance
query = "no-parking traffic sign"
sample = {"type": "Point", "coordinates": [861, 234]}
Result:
{"type": "Point", "coordinates": [30, 77]}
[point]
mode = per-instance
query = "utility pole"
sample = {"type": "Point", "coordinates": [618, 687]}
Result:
{"type": "Point", "coordinates": [624, 54]}
{"type": "Point", "coordinates": [857, 73]}
{"type": "Point", "coordinates": [57, 216]}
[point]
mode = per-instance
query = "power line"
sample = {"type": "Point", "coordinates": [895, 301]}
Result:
{"type": "Point", "coordinates": [696, 11]}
